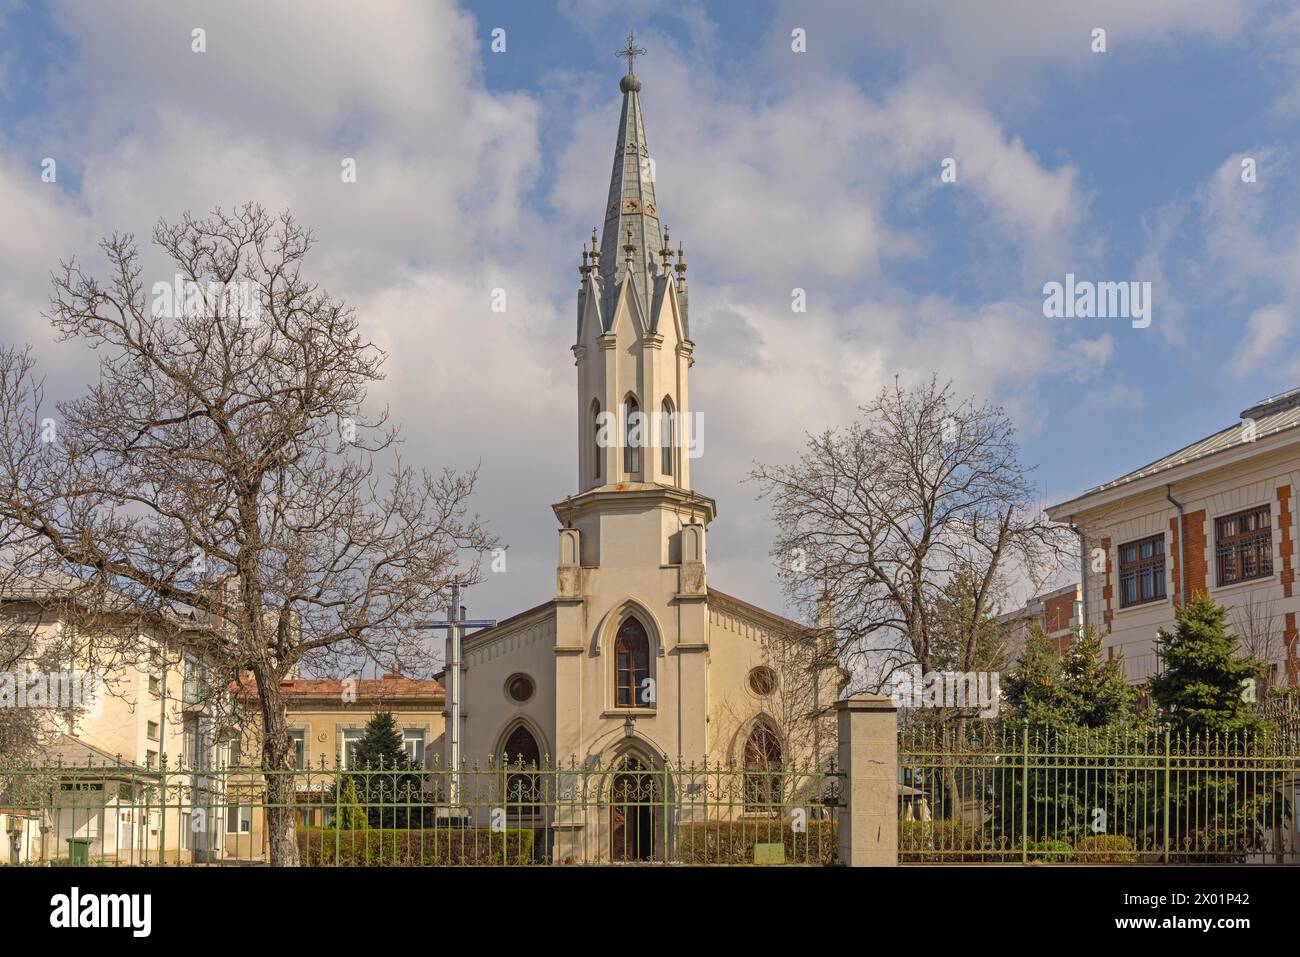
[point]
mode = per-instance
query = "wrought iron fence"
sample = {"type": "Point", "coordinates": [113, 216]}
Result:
{"type": "Point", "coordinates": [496, 814]}
{"type": "Point", "coordinates": [1002, 793]}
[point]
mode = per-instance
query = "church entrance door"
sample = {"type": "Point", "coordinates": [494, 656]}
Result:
{"type": "Point", "coordinates": [633, 813]}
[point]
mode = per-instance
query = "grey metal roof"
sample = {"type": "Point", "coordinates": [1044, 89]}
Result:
{"type": "Point", "coordinates": [631, 206]}
{"type": "Point", "coordinates": [1270, 416]}
{"type": "Point", "coordinates": [58, 587]}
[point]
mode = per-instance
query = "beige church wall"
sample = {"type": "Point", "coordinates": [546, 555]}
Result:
{"type": "Point", "coordinates": [739, 645]}
{"type": "Point", "coordinates": [489, 711]}
{"type": "Point", "coordinates": [595, 730]}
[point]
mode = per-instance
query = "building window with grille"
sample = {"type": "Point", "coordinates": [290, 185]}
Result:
{"type": "Point", "coordinates": [1243, 545]}
{"type": "Point", "coordinates": [1142, 571]}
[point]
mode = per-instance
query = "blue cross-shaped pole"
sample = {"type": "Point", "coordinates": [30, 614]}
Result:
{"type": "Point", "coordinates": [455, 626]}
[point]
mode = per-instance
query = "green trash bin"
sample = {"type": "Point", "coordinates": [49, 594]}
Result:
{"type": "Point", "coordinates": [79, 851]}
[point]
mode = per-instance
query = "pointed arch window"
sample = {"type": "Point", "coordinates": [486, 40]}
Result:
{"type": "Point", "coordinates": [523, 761]}
{"type": "Point", "coordinates": [764, 783]}
{"type": "Point", "coordinates": [595, 438]}
{"type": "Point", "coordinates": [668, 436]}
{"type": "Point", "coordinates": [632, 429]}
{"type": "Point", "coordinates": [632, 685]}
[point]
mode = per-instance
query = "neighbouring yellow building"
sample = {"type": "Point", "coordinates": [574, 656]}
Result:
{"type": "Point", "coordinates": [144, 729]}
{"type": "Point", "coordinates": [326, 719]}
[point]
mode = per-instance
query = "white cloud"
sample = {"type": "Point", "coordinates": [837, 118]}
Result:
{"type": "Point", "coordinates": [1266, 329]}
{"type": "Point", "coordinates": [768, 189]}
{"type": "Point", "coordinates": [1005, 43]}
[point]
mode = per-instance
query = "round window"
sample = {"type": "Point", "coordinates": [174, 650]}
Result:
{"type": "Point", "coordinates": [520, 688]}
{"type": "Point", "coordinates": [762, 681]}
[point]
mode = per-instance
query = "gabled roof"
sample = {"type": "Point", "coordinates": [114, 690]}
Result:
{"type": "Point", "coordinates": [770, 618]}
{"type": "Point", "coordinates": [1271, 416]}
{"type": "Point", "coordinates": [389, 686]}
{"type": "Point", "coordinates": [506, 622]}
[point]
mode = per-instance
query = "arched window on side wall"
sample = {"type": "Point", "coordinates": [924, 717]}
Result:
{"type": "Point", "coordinates": [668, 436]}
{"type": "Point", "coordinates": [632, 687]}
{"type": "Point", "coordinates": [763, 778]}
{"type": "Point", "coordinates": [633, 430]}
{"type": "Point", "coordinates": [523, 760]}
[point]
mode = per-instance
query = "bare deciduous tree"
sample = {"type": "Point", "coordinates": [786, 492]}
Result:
{"type": "Point", "coordinates": [224, 462]}
{"type": "Point", "coordinates": [1257, 624]}
{"type": "Point", "coordinates": [885, 515]}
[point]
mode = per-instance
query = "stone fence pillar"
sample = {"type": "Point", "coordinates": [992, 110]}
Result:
{"type": "Point", "coordinates": [868, 759]}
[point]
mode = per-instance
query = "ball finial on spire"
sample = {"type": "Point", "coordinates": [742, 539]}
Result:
{"type": "Point", "coordinates": [629, 83]}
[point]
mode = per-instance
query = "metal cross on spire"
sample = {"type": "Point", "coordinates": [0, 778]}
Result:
{"type": "Point", "coordinates": [632, 51]}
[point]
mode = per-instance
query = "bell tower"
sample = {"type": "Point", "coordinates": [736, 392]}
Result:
{"type": "Point", "coordinates": [637, 434]}
{"type": "Point", "coordinates": [632, 541]}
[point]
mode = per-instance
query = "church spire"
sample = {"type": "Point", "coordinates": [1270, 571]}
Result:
{"type": "Point", "coordinates": [631, 206]}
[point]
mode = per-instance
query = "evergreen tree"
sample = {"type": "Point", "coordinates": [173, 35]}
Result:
{"type": "Point", "coordinates": [1067, 702]}
{"type": "Point", "coordinates": [1203, 697]}
{"type": "Point", "coordinates": [388, 784]}
{"type": "Point", "coordinates": [380, 747]}
{"type": "Point", "coordinates": [351, 815]}
{"type": "Point", "coordinates": [1203, 687]}
{"type": "Point", "coordinates": [1072, 689]}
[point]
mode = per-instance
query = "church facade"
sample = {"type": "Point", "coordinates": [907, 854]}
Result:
{"type": "Point", "coordinates": [636, 662]}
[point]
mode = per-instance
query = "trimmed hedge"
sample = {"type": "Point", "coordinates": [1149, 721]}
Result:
{"type": "Point", "coordinates": [946, 840]}
{"type": "Point", "coordinates": [1106, 849]}
{"type": "Point", "coordinates": [732, 842]}
{"type": "Point", "coordinates": [391, 847]}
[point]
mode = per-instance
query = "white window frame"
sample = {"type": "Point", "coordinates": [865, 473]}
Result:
{"type": "Point", "coordinates": [349, 736]}
{"type": "Point", "coordinates": [422, 744]}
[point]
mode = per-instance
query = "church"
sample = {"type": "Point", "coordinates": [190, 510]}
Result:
{"type": "Point", "coordinates": [636, 664]}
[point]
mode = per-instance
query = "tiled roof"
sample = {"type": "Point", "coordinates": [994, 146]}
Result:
{"type": "Point", "coordinates": [1275, 414]}
{"type": "Point", "coordinates": [387, 687]}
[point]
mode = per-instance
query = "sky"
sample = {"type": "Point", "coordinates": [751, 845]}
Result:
{"type": "Point", "coordinates": [796, 146]}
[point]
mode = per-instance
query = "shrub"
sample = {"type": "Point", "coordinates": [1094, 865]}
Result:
{"type": "Point", "coordinates": [1106, 849]}
{"type": "Point", "coordinates": [947, 840]}
{"type": "Point", "coordinates": [1051, 852]}
{"type": "Point", "coordinates": [732, 842]}
{"type": "Point", "coordinates": [391, 847]}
